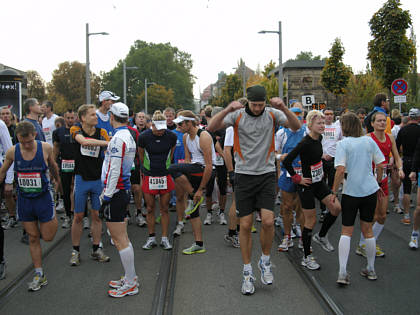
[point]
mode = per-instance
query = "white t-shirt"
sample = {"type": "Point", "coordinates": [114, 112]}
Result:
{"type": "Point", "coordinates": [332, 134]}
{"type": "Point", "coordinates": [48, 127]}
{"type": "Point", "coordinates": [395, 130]}
{"type": "Point", "coordinates": [229, 137]}
{"type": "Point", "coordinates": [357, 155]}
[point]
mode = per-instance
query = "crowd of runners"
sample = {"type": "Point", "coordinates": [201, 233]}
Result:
{"type": "Point", "coordinates": [94, 162]}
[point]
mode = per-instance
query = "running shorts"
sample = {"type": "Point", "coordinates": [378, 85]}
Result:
{"type": "Point", "coordinates": [307, 194]}
{"type": "Point", "coordinates": [39, 209]}
{"type": "Point", "coordinates": [116, 210]}
{"type": "Point", "coordinates": [285, 183]}
{"type": "Point", "coordinates": [148, 180]}
{"type": "Point", "coordinates": [82, 188]}
{"type": "Point", "coordinates": [351, 205]}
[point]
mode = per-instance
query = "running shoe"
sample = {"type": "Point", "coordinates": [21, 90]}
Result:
{"type": "Point", "coordinates": [310, 263]}
{"type": "Point", "coordinates": [324, 242]}
{"type": "Point", "coordinates": [115, 284]}
{"type": "Point", "coordinates": [179, 229]}
{"type": "Point", "coordinates": [258, 217]}
{"type": "Point", "coordinates": [194, 249]}
{"type": "Point", "coordinates": [3, 269]}
{"type": "Point", "coordinates": [126, 289]}
{"type": "Point", "coordinates": [172, 207]}
{"type": "Point", "coordinates": [222, 219]}
{"type": "Point", "coordinates": [248, 283]}
{"type": "Point", "coordinates": [379, 251]}
{"type": "Point", "coordinates": [292, 234]}
{"type": "Point", "coordinates": [267, 277]}
{"type": "Point", "coordinates": [208, 219]}
{"type": "Point", "coordinates": [10, 223]}
{"type": "Point", "coordinates": [60, 206]}
{"type": "Point", "coordinates": [361, 250]}
{"type": "Point", "coordinates": [164, 243]}
{"type": "Point", "coordinates": [232, 240]}
{"type": "Point", "coordinates": [150, 243]}
{"type": "Point", "coordinates": [298, 231]}
{"type": "Point", "coordinates": [215, 207]}
{"type": "Point", "coordinates": [300, 244]}
{"type": "Point", "coordinates": [406, 221]}
{"type": "Point", "coordinates": [321, 218]}
{"type": "Point", "coordinates": [285, 244]}
{"type": "Point", "coordinates": [128, 218]}
{"type": "Point", "coordinates": [140, 220]}
{"type": "Point", "coordinates": [86, 223]}
{"type": "Point", "coordinates": [414, 243]}
{"type": "Point", "coordinates": [343, 279]}
{"type": "Point", "coordinates": [370, 274]}
{"type": "Point", "coordinates": [37, 282]}
{"type": "Point", "coordinates": [398, 210]}
{"type": "Point", "coordinates": [66, 223]}
{"type": "Point", "coordinates": [279, 221]}
{"type": "Point", "coordinates": [192, 207]}
{"type": "Point", "coordinates": [75, 258]}
{"type": "Point", "coordinates": [253, 229]}
{"type": "Point", "coordinates": [100, 256]}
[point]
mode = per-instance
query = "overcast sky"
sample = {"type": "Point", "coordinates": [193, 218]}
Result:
{"type": "Point", "coordinates": [38, 35]}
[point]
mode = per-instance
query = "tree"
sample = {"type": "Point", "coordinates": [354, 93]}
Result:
{"type": "Point", "coordinates": [158, 98]}
{"type": "Point", "coordinates": [232, 90]}
{"type": "Point", "coordinates": [413, 76]}
{"type": "Point", "coordinates": [67, 89]}
{"type": "Point", "coordinates": [335, 75]}
{"type": "Point", "coordinates": [160, 63]}
{"type": "Point", "coordinates": [361, 90]}
{"type": "Point", "coordinates": [390, 51]}
{"type": "Point", "coordinates": [307, 55]}
{"type": "Point", "coordinates": [35, 85]}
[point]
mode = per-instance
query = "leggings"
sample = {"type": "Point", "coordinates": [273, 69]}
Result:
{"type": "Point", "coordinates": [66, 179]}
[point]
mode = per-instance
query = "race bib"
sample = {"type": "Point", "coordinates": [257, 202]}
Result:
{"type": "Point", "coordinates": [47, 134]}
{"type": "Point", "coordinates": [67, 166]}
{"type": "Point", "coordinates": [384, 174]}
{"type": "Point", "coordinates": [317, 172]}
{"type": "Point", "coordinates": [329, 133]}
{"type": "Point", "coordinates": [181, 161]}
{"type": "Point", "coordinates": [156, 183]}
{"type": "Point", "coordinates": [88, 150]}
{"type": "Point", "coordinates": [298, 170]}
{"type": "Point", "coordinates": [30, 182]}
{"type": "Point", "coordinates": [219, 160]}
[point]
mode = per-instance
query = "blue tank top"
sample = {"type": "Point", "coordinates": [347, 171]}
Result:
{"type": "Point", "coordinates": [293, 138]}
{"type": "Point", "coordinates": [31, 175]}
{"type": "Point", "coordinates": [179, 154]}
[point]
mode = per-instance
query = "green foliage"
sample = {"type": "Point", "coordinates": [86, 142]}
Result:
{"type": "Point", "coordinates": [160, 63]}
{"type": "Point", "coordinates": [413, 78]}
{"type": "Point", "coordinates": [307, 56]}
{"type": "Point", "coordinates": [35, 85]}
{"type": "Point", "coordinates": [158, 98]}
{"type": "Point", "coordinates": [390, 51]}
{"type": "Point", "coordinates": [268, 68]}
{"type": "Point", "coordinates": [67, 88]}
{"type": "Point", "coordinates": [335, 75]}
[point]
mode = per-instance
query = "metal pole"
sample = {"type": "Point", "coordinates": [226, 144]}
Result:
{"type": "Point", "coordinates": [87, 66]}
{"type": "Point", "coordinates": [124, 83]}
{"type": "Point", "coordinates": [243, 79]}
{"type": "Point", "coordinates": [145, 96]}
{"type": "Point", "coordinates": [280, 65]}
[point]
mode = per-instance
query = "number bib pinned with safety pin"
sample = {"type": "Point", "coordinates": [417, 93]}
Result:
{"type": "Point", "coordinates": [317, 172]}
{"type": "Point", "coordinates": [158, 183]}
{"type": "Point", "coordinates": [30, 182]}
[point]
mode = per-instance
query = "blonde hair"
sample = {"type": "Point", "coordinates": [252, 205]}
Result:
{"type": "Point", "coordinates": [83, 109]}
{"type": "Point", "coordinates": [312, 115]}
{"type": "Point", "coordinates": [157, 115]}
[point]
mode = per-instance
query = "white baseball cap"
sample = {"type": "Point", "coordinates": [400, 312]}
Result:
{"type": "Point", "coordinates": [181, 118]}
{"type": "Point", "coordinates": [160, 124]}
{"type": "Point", "coordinates": [108, 95]}
{"type": "Point", "coordinates": [119, 109]}
{"type": "Point", "coordinates": [414, 112]}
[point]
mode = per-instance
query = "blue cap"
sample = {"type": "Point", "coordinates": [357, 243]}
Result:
{"type": "Point", "coordinates": [296, 110]}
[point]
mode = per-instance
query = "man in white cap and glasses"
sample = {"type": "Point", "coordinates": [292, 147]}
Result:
{"type": "Point", "coordinates": [116, 172]}
{"type": "Point", "coordinates": [106, 99]}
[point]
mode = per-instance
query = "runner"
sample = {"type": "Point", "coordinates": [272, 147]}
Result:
{"type": "Point", "coordinates": [311, 186]}
{"type": "Point", "coordinates": [386, 144]}
{"type": "Point", "coordinates": [64, 152]}
{"type": "Point", "coordinates": [106, 99]}
{"type": "Point", "coordinates": [354, 156]}
{"type": "Point", "coordinates": [406, 143]}
{"type": "Point", "coordinates": [193, 175]}
{"type": "Point", "coordinates": [48, 125]}
{"type": "Point", "coordinates": [116, 171]}
{"type": "Point", "coordinates": [156, 148]}
{"type": "Point", "coordinates": [35, 204]}
{"type": "Point", "coordinates": [169, 113]}
{"type": "Point", "coordinates": [381, 104]}
{"type": "Point", "coordinates": [255, 171]}
{"type": "Point", "coordinates": [89, 142]}
{"type": "Point", "coordinates": [415, 171]}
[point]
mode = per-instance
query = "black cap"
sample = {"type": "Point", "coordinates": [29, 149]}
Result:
{"type": "Point", "coordinates": [256, 93]}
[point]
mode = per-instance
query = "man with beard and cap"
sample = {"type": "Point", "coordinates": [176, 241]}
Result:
{"type": "Point", "coordinates": [255, 172]}
{"type": "Point", "coordinates": [106, 99]}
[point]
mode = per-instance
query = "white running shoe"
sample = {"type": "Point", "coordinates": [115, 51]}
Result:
{"type": "Point", "coordinates": [164, 243]}
{"type": "Point", "coordinates": [179, 229]}
{"type": "Point", "coordinates": [248, 283]}
{"type": "Point", "coordinates": [150, 243]}
{"type": "Point", "coordinates": [222, 219]}
{"type": "Point", "coordinates": [324, 242]}
{"type": "Point", "coordinates": [140, 220]}
{"type": "Point", "coordinates": [208, 219]}
{"type": "Point", "coordinates": [86, 223]}
{"type": "Point", "coordinates": [267, 277]}
{"type": "Point", "coordinates": [284, 246]}
{"type": "Point", "coordinates": [60, 206]}
{"type": "Point", "coordinates": [414, 243]}
{"type": "Point", "coordinates": [279, 222]}
{"type": "Point", "coordinates": [258, 217]}
{"type": "Point", "coordinates": [310, 263]}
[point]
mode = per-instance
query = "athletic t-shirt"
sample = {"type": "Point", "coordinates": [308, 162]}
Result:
{"type": "Point", "coordinates": [332, 134]}
{"type": "Point", "coordinates": [104, 122]}
{"type": "Point", "coordinates": [254, 142]}
{"type": "Point", "coordinates": [48, 127]}
{"type": "Point", "coordinates": [157, 152]}
{"type": "Point", "coordinates": [407, 138]}
{"type": "Point", "coordinates": [357, 155]}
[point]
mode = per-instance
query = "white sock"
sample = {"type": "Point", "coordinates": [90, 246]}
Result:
{"type": "Point", "coordinates": [343, 253]}
{"type": "Point", "coordinates": [248, 268]}
{"type": "Point", "coordinates": [377, 229]}
{"type": "Point", "coordinates": [371, 253]}
{"type": "Point", "coordinates": [164, 238]}
{"type": "Point", "coordinates": [127, 260]}
{"type": "Point", "coordinates": [181, 222]}
{"type": "Point", "coordinates": [265, 258]}
{"type": "Point", "coordinates": [40, 271]}
{"type": "Point", "coordinates": [362, 240]}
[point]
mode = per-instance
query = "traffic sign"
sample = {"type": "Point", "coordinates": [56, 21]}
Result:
{"type": "Point", "coordinates": [400, 99]}
{"type": "Point", "coordinates": [308, 100]}
{"type": "Point", "coordinates": [399, 87]}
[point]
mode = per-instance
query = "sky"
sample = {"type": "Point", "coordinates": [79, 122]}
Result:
{"type": "Point", "coordinates": [39, 35]}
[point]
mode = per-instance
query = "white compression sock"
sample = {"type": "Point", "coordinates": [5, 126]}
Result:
{"type": "Point", "coordinates": [362, 240]}
{"type": "Point", "coordinates": [377, 229]}
{"type": "Point", "coordinates": [265, 258]}
{"type": "Point", "coordinates": [371, 253]}
{"type": "Point", "coordinates": [343, 253]}
{"type": "Point", "coordinates": [127, 260]}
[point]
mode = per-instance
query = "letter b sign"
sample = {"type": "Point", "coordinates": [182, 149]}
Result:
{"type": "Point", "coordinates": [308, 100]}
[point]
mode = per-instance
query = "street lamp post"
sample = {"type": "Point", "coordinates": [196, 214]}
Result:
{"type": "Point", "coordinates": [280, 59]}
{"type": "Point", "coordinates": [125, 68]}
{"type": "Point", "coordinates": [87, 61]}
{"type": "Point", "coordinates": [145, 93]}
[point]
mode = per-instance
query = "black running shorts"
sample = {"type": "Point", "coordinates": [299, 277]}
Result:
{"type": "Point", "coordinates": [350, 205]}
{"type": "Point", "coordinates": [116, 210]}
{"type": "Point", "coordinates": [307, 194]}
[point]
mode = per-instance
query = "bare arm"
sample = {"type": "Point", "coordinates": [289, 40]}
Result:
{"type": "Point", "coordinates": [216, 122]}
{"type": "Point", "coordinates": [396, 156]}
{"type": "Point", "coordinates": [228, 158]}
{"type": "Point", "coordinates": [56, 150]}
{"type": "Point", "coordinates": [206, 143]}
{"type": "Point", "coordinates": [92, 142]}
{"type": "Point", "coordinates": [187, 157]}
{"type": "Point", "coordinates": [52, 165]}
{"type": "Point", "coordinates": [292, 120]}
{"type": "Point", "coordinates": [141, 155]}
{"type": "Point", "coordinates": [338, 178]}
